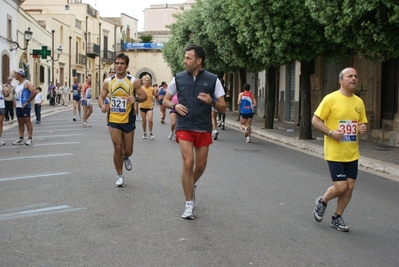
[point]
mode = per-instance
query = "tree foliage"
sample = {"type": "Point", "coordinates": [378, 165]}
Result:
{"type": "Point", "coordinates": [369, 27]}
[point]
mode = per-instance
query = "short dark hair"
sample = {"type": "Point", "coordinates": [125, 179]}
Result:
{"type": "Point", "coordinates": [122, 56]}
{"type": "Point", "coordinates": [199, 51]}
{"type": "Point", "coordinates": [247, 87]}
{"type": "Point", "coordinates": [39, 88]}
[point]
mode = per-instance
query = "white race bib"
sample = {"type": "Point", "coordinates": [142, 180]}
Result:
{"type": "Point", "coordinates": [350, 130]}
{"type": "Point", "coordinates": [119, 104]}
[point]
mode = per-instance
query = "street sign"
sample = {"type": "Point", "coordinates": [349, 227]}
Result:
{"type": "Point", "coordinates": [44, 52]}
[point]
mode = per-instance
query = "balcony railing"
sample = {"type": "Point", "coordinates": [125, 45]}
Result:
{"type": "Point", "coordinates": [93, 50]}
{"type": "Point", "coordinates": [91, 11]}
{"type": "Point", "coordinates": [108, 55]}
{"type": "Point", "coordinates": [81, 59]}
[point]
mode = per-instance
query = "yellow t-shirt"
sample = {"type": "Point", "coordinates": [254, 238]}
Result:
{"type": "Point", "coordinates": [150, 93]}
{"type": "Point", "coordinates": [121, 110]}
{"type": "Point", "coordinates": [339, 111]}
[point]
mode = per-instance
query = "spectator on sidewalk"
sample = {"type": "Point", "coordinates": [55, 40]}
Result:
{"type": "Point", "coordinates": [3, 94]}
{"type": "Point", "coordinates": [51, 94]}
{"type": "Point", "coordinates": [197, 91]}
{"type": "Point", "coordinates": [38, 105]}
{"type": "Point", "coordinates": [58, 91]}
{"type": "Point", "coordinates": [9, 99]}
{"type": "Point", "coordinates": [247, 102]}
{"type": "Point", "coordinates": [25, 93]}
{"type": "Point", "coordinates": [341, 116]}
{"type": "Point", "coordinates": [65, 90]}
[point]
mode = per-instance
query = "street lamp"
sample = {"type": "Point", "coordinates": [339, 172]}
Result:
{"type": "Point", "coordinates": [27, 35]}
{"type": "Point", "coordinates": [104, 62]}
{"type": "Point", "coordinates": [59, 52]}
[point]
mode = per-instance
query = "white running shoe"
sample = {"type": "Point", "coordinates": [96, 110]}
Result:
{"type": "Point", "coordinates": [119, 182]}
{"type": "Point", "coordinates": [170, 135]}
{"type": "Point", "coordinates": [188, 213]}
{"type": "Point", "coordinates": [128, 164]}
{"type": "Point", "coordinates": [2, 143]}
{"type": "Point", "coordinates": [29, 142]}
{"type": "Point", "coordinates": [152, 136]}
{"type": "Point", "coordinates": [144, 136]}
{"type": "Point", "coordinates": [215, 135]}
{"type": "Point", "coordinates": [20, 141]}
{"type": "Point", "coordinates": [248, 139]}
{"type": "Point", "coordinates": [174, 137]}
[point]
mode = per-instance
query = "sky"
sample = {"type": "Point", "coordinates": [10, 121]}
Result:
{"type": "Point", "coordinates": [135, 8]}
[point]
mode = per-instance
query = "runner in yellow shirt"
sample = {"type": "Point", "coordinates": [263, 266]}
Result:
{"type": "Point", "coordinates": [121, 89]}
{"type": "Point", "coordinates": [147, 108]}
{"type": "Point", "coordinates": [341, 116]}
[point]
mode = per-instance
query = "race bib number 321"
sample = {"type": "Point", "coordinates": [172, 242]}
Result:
{"type": "Point", "coordinates": [118, 104]}
{"type": "Point", "coordinates": [350, 130]}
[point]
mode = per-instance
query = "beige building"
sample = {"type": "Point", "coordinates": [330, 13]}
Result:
{"type": "Point", "coordinates": [88, 41]}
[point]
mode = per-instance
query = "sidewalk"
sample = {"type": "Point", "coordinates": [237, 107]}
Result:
{"type": "Point", "coordinates": [373, 155]}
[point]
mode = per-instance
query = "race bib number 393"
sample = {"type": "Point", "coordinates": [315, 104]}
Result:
{"type": "Point", "coordinates": [350, 130]}
{"type": "Point", "coordinates": [118, 104]}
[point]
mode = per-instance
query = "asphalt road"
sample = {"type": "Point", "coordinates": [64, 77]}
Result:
{"type": "Point", "coordinates": [59, 205]}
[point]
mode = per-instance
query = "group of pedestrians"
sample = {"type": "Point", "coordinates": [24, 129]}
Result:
{"type": "Point", "coordinates": [57, 94]}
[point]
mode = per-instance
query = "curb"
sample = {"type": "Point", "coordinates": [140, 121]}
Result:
{"type": "Point", "coordinates": [368, 163]}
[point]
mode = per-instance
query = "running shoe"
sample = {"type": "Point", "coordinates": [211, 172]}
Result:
{"type": "Point", "coordinates": [2, 143]}
{"type": "Point", "coordinates": [222, 125]}
{"type": "Point", "coordinates": [248, 139]}
{"type": "Point", "coordinates": [86, 125]}
{"type": "Point", "coordinates": [174, 137]}
{"type": "Point", "coordinates": [144, 136]}
{"type": "Point", "coordinates": [119, 182]}
{"type": "Point", "coordinates": [215, 135]}
{"type": "Point", "coordinates": [128, 164]}
{"type": "Point", "coordinates": [339, 224]}
{"type": "Point", "coordinates": [74, 118]}
{"type": "Point", "coordinates": [29, 142]}
{"type": "Point", "coordinates": [188, 213]}
{"type": "Point", "coordinates": [246, 132]}
{"type": "Point", "coordinates": [170, 135]}
{"type": "Point", "coordinates": [20, 141]}
{"type": "Point", "coordinates": [152, 136]}
{"type": "Point", "coordinates": [319, 209]}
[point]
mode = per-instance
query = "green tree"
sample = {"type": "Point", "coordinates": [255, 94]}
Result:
{"type": "Point", "coordinates": [277, 33]}
{"type": "Point", "coordinates": [370, 28]}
